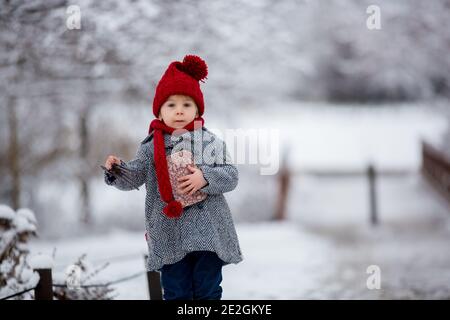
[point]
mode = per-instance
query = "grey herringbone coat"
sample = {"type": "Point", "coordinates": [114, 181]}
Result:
{"type": "Point", "coordinates": [206, 225]}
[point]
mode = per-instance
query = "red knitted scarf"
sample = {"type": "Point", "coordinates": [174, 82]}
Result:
{"type": "Point", "coordinates": [173, 209]}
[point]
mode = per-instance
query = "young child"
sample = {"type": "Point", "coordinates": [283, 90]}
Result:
{"type": "Point", "coordinates": [187, 245]}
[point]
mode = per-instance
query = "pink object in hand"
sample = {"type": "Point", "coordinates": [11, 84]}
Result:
{"type": "Point", "coordinates": [177, 163]}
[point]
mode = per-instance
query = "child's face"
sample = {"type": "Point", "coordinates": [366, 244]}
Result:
{"type": "Point", "coordinates": [178, 111]}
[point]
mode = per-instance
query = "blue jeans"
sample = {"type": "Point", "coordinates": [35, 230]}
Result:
{"type": "Point", "coordinates": [195, 277]}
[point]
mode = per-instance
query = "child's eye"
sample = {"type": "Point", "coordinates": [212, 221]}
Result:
{"type": "Point", "coordinates": [187, 104]}
{"type": "Point", "coordinates": [171, 104]}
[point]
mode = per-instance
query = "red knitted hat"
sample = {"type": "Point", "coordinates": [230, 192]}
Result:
{"type": "Point", "coordinates": [182, 78]}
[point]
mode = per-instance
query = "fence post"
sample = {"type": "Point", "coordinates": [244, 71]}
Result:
{"type": "Point", "coordinates": [283, 178]}
{"type": "Point", "coordinates": [371, 175]}
{"type": "Point", "coordinates": [44, 288]}
{"type": "Point", "coordinates": [154, 283]}
{"type": "Point", "coordinates": [436, 169]}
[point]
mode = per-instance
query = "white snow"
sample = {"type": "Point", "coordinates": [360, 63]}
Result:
{"type": "Point", "coordinates": [23, 220]}
{"type": "Point", "coordinates": [29, 280]}
{"type": "Point", "coordinates": [27, 214]}
{"type": "Point", "coordinates": [6, 212]}
{"type": "Point", "coordinates": [281, 261]}
{"type": "Point", "coordinates": [23, 225]}
{"type": "Point", "coordinates": [41, 261]}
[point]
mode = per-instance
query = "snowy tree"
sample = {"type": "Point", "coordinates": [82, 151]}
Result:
{"type": "Point", "coordinates": [404, 60]}
{"type": "Point", "coordinates": [20, 76]}
{"type": "Point", "coordinates": [16, 264]}
{"type": "Point", "coordinates": [57, 75]}
{"type": "Point", "coordinates": [16, 229]}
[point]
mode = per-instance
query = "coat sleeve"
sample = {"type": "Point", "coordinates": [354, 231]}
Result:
{"type": "Point", "coordinates": [139, 167]}
{"type": "Point", "coordinates": [222, 175]}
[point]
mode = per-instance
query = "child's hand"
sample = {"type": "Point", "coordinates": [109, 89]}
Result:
{"type": "Point", "coordinates": [110, 161]}
{"type": "Point", "coordinates": [192, 182]}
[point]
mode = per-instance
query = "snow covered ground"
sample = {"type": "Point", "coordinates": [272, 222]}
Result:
{"type": "Point", "coordinates": [281, 261]}
{"type": "Point", "coordinates": [410, 244]}
{"type": "Point", "coordinates": [304, 258]}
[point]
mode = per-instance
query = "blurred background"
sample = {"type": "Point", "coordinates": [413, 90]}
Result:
{"type": "Point", "coordinates": [358, 91]}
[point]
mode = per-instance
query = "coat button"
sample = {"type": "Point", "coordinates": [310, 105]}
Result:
{"type": "Point", "coordinates": [200, 205]}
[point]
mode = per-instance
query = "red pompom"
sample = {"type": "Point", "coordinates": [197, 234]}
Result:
{"type": "Point", "coordinates": [195, 66]}
{"type": "Point", "coordinates": [173, 209]}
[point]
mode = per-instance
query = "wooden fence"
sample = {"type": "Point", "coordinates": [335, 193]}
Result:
{"type": "Point", "coordinates": [44, 288]}
{"type": "Point", "coordinates": [285, 176]}
{"type": "Point", "coordinates": [436, 168]}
